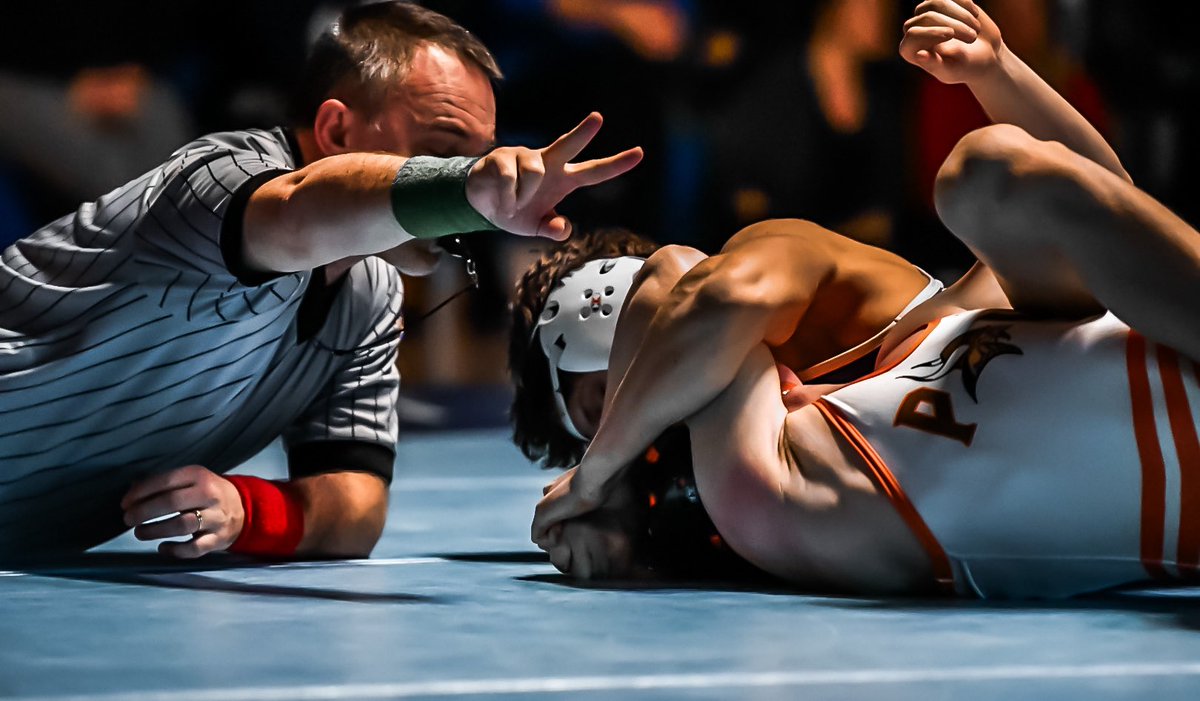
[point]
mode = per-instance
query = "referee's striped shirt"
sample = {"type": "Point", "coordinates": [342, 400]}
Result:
{"type": "Point", "coordinates": [132, 341]}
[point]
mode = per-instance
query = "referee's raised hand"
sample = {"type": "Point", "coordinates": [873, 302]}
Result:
{"type": "Point", "coordinates": [517, 188]}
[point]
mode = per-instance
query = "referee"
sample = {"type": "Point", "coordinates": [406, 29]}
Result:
{"type": "Point", "coordinates": [249, 288]}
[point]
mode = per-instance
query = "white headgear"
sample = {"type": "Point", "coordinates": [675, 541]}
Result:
{"type": "Point", "coordinates": [579, 321]}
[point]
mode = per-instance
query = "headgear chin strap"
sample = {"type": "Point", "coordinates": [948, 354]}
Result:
{"type": "Point", "coordinates": [579, 321]}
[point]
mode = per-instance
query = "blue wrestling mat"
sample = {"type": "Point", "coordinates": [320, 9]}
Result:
{"type": "Point", "coordinates": [458, 604]}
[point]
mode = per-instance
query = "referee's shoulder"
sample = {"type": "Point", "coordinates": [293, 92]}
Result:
{"type": "Point", "coordinates": [267, 142]}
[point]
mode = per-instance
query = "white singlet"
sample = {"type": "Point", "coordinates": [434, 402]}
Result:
{"type": "Point", "coordinates": [1036, 458]}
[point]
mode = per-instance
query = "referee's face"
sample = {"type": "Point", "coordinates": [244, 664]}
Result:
{"type": "Point", "coordinates": [444, 107]}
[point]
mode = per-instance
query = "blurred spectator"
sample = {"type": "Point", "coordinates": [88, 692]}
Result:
{"type": "Point", "coordinates": [83, 108]}
{"type": "Point", "coordinates": [1148, 60]}
{"type": "Point", "coordinates": [79, 138]}
{"type": "Point", "coordinates": [653, 29]}
{"type": "Point", "coordinates": [108, 89]}
{"type": "Point", "coordinates": [811, 129]}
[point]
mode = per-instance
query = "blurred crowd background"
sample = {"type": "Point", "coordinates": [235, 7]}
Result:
{"type": "Point", "coordinates": [747, 110]}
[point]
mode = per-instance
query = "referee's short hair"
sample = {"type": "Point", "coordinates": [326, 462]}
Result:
{"type": "Point", "coordinates": [360, 56]}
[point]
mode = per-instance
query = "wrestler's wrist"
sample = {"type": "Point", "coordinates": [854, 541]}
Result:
{"type": "Point", "coordinates": [429, 198]}
{"type": "Point", "coordinates": [598, 473]}
{"type": "Point", "coordinates": [995, 72]}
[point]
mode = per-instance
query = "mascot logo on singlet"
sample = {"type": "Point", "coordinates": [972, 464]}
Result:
{"type": "Point", "coordinates": [971, 352]}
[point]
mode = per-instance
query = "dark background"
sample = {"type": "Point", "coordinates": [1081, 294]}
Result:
{"type": "Point", "coordinates": [719, 93]}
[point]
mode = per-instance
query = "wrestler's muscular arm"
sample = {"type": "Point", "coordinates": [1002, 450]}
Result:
{"type": "Point", "coordinates": [782, 517]}
{"type": "Point", "coordinates": [1064, 229]}
{"type": "Point", "coordinates": [755, 291]}
{"type": "Point", "coordinates": [957, 42]}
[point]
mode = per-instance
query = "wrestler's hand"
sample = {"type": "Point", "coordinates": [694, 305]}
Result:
{"type": "Point", "coordinates": [185, 491]}
{"type": "Point", "coordinates": [569, 496]}
{"type": "Point", "coordinates": [517, 188]}
{"type": "Point", "coordinates": [593, 547]}
{"type": "Point", "coordinates": [953, 40]}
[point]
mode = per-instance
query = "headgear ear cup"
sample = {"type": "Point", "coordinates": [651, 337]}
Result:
{"type": "Point", "coordinates": [579, 321]}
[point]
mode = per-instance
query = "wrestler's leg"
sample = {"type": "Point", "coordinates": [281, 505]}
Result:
{"type": "Point", "coordinates": [1067, 237]}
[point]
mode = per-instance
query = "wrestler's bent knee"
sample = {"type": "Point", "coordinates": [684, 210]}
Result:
{"type": "Point", "coordinates": [993, 178]}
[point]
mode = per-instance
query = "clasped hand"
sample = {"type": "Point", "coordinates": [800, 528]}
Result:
{"type": "Point", "coordinates": [587, 533]}
{"type": "Point", "coordinates": [569, 496]}
{"type": "Point", "coordinates": [953, 40]}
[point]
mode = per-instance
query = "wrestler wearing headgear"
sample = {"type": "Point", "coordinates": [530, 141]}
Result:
{"type": "Point", "coordinates": [569, 307]}
{"type": "Point", "coordinates": [575, 331]}
{"type": "Point", "coordinates": [825, 492]}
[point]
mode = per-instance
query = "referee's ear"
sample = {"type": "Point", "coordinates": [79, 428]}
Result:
{"type": "Point", "coordinates": [331, 127]}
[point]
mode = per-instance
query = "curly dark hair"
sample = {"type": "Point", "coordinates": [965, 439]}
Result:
{"type": "Point", "coordinates": [536, 427]}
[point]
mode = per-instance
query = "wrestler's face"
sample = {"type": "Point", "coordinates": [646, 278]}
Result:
{"type": "Point", "coordinates": [584, 395]}
{"type": "Point", "coordinates": [444, 107]}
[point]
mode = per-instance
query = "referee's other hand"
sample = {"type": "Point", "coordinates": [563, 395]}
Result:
{"type": "Point", "coordinates": [192, 502]}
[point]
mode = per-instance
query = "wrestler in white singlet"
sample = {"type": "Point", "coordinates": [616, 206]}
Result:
{"type": "Point", "coordinates": [1036, 458]}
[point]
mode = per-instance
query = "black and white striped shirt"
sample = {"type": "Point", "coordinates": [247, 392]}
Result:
{"type": "Point", "coordinates": [132, 341]}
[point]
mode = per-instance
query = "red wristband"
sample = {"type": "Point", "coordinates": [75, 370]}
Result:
{"type": "Point", "coordinates": [274, 522]}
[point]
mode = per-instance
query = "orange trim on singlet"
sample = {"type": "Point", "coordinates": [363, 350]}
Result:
{"type": "Point", "coordinates": [840, 361]}
{"type": "Point", "coordinates": [1154, 480]}
{"type": "Point", "coordinates": [942, 571]}
{"type": "Point", "coordinates": [932, 288]}
{"type": "Point", "coordinates": [1187, 448]}
{"type": "Point", "coordinates": [916, 339]}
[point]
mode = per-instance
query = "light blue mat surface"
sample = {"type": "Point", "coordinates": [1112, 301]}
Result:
{"type": "Point", "coordinates": [457, 604]}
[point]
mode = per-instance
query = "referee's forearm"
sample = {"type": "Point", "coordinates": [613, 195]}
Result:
{"type": "Point", "coordinates": [344, 513]}
{"type": "Point", "coordinates": [335, 208]}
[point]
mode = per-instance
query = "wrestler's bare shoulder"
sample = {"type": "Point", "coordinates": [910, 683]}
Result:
{"type": "Point", "coordinates": [826, 258]}
{"type": "Point", "coordinates": [801, 235]}
{"type": "Point", "coordinates": [851, 291]}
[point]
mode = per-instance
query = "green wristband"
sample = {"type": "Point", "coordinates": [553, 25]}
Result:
{"type": "Point", "coordinates": [429, 198]}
